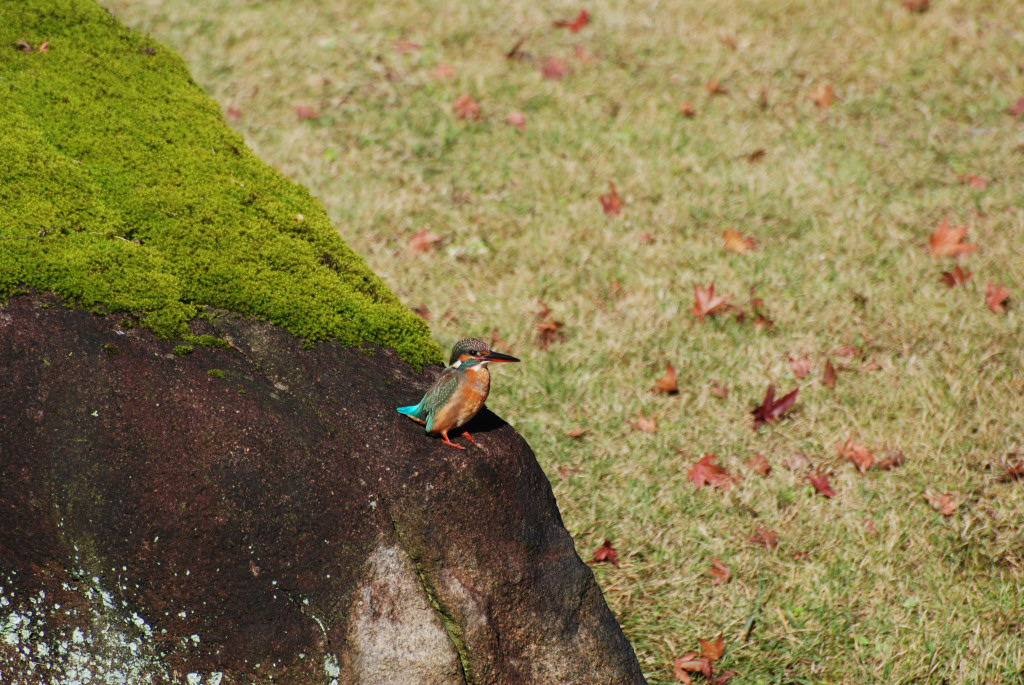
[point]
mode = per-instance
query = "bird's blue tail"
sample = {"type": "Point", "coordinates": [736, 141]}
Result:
{"type": "Point", "coordinates": [414, 411]}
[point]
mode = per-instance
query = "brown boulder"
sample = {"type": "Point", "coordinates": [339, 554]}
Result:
{"type": "Point", "coordinates": [262, 512]}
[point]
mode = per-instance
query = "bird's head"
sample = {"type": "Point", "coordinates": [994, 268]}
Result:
{"type": "Point", "coordinates": [470, 352]}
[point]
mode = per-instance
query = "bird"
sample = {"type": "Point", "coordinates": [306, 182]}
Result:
{"type": "Point", "coordinates": [459, 392]}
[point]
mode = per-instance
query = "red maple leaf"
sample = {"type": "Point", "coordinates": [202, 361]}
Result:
{"type": "Point", "coordinates": [828, 376]}
{"type": "Point", "coordinates": [820, 482]}
{"type": "Point", "coordinates": [423, 240]}
{"type": "Point", "coordinates": [303, 112]}
{"type": "Point", "coordinates": [705, 473]}
{"type": "Point", "coordinates": [574, 25]}
{"type": "Point", "coordinates": [945, 240]}
{"type": "Point", "coordinates": [917, 6]}
{"type": "Point", "coordinates": [610, 202]}
{"type": "Point", "coordinates": [669, 383]}
{"type": "Point", "coordinates": [606, 553]}
{"type": "Point", "coordinates": [517, 119]}
{"type": "Point", "coordinates": [1017, 108]}
{"type": "Point", "coordinates": [973, 182]}
{"type": "Point", "coordinates": [465, 107]}
{"type": "Point", "coordinates": [955, 277]}
{"type": "Point", "coordinates": [763, 536]}
{"type": "Point", "coordinates": [705, 302]}
{"type": "Point", "coordinates": [995, 297]}
{"type": "Point", "coordinates": [860, 455]}
{"type": "Point", "coordinates": [555, 69]}
{"type": "Point", "coordinates": [719, 572]}
{"type": "Point", "coordinates": [771, 410]}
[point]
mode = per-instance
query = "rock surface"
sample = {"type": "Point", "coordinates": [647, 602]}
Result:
{"type": "Point", "coordinates": [262, 512]}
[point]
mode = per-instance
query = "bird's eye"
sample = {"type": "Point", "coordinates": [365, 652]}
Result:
{"type": "Point", "coordinates": [474, 353]}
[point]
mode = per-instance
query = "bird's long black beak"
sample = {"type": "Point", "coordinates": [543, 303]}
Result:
{"type": "Point", "coordinates": [498, 357]}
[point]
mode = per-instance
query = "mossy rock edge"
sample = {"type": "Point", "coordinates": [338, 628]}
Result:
{"type": "Point", "coordinates": [122, 190]}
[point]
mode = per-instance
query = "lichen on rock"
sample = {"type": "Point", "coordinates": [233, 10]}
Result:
{"type": "Point", "coordinates": [122, 190]}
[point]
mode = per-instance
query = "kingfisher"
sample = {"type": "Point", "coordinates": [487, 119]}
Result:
{"type": "Point", "coordinates": [459, 392]}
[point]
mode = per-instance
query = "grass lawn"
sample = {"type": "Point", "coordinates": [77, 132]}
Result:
{"type": "Point", "coordinates": [358, 102]}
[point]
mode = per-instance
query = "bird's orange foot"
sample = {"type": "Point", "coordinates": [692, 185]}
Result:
{"type": "Point", "coordinates": [469, 437]}
{"type": "Point", "coordinates": [445, 440]}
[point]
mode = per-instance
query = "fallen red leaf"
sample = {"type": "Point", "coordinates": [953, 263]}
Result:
{"type": "Point", "coordinates": [945, 504]}
{"type": "Point", "coordinates": [44, 46]}
{"type": "Point", "coordinates": [823, 95]}
{"type": "Point", "coordinates": [712, 650]}
{"type": "Point", "coordinates": [719, 390]}
{"type": "Point", "coordinates": [423, 240]}
{"type": "Point", "coordinates": [606, 553]}
{"type": "Point", "coordinates": [1014, 470]}
{"type": "Point", "coordinates": [719, 572]}
{"type": "Point", "coordinates": [303, 112]}
{"type": "Point", "coordinates": [724, 677]}
{"type": "Point", "coordinates": [404, 46]}
{"type": "Point", "coordinates": [465, 107]}
{"type": "Point", "coordinates": [759, 464]}
{"type": "Point", "coordinates": [829, 377]}
{"type": "Point", "coordinates": [669, 383]}
{"type": "Point", "coordinates": [860, 455]}
{"type": "Point", "coordinates": [705, 302]}
{"type": "Point", "coordinates": [422, 312]}
{"type": "Point", "coordinates": [846, 351]}
{"type": "Point", "coordinates": [443, 71]}
{"type": "Point", "coordinates": [945, 240]}
{"type": "Point", "coordinates": [973, 182]}
{"type": "Point", "coordinates": [955, 277]}
{"type": "Point", "coordinates": [555, 68]}
{"type": "Point", "coordinates": [728, 41]}
{"type": "Point", "coordinates": [917, 6]}
{"type": "Point", "coordinates": [763, 536]}
{"type": "Point", "coordinates": [771, 410]}
{"type": "Point", "coordinates": [642, 423]}
{"type": "Point", "coordinates": [706, 473]}
{"type": "Point", "coordinates": [893, 460]}
{"type": "Point", "coordinates": [1017, 108]}
{"type": "Point", "coordinates": [715, 87]}
{"type": "Point", "coordinates": [567, 472]}
{"type": "Point", "coordinates": [757, 155]}
{"type": "Point", "coordinates": [574, 25]}
{"type": "Point", "coordinates": [819, 481]}
{"type": "Point", "coordinates": [233, 114]}
{"type": "Point", "coordinates": [686, 108]}
{"type": "Point", "coordinates": [995, 297]}
{"type": "Point", "coordinates": [576, 432]}
{"type": "Point", "coordinates": [737, 242]}
{"type": "Point", "coordinates": [690, 663]}
{"type": "Point", "coordinates": [610, 201]}
{"type": "Point", "coordinates": [800, 367]}
{"type": "Point", "coordinates": [517, 119]}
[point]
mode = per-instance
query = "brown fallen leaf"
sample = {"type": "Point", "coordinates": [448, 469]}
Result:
{"type": "Point", "coordinates": [555, 68]}
{"type": "Point", "coordinates": [860, 455]}
{"type": "Point", "coordinates": [567, 472]}
{"type": "Point", "coordinates": [771, 410]}
{"type": "Point", "coordinates": [690, 663]}
{"type": "Point", "coordinates": [465, 107]}
{"type": "Point", "coordinates": [715, 87]}
{"type": "Point", "coordinates": [706, 303]}
{"type": "Point", "coordinates": [422, 312]}
{"type": "Point", "coordinates": [548, 330]}
{"type": "Point", "coordinates": [823, 95]}
{"type": "Point", "coordinates": [829, 377]}
{"type": "Point", "coordinates": [848, 351]}
{"type": "Point", "coordinates": [686, 108]}
{"type": "Point", "coordinates": [945, 504]}
{"type": "Point", "coordinates": [759, 464]}
{"type": "Point", "coordinates": [578, 431]}
{"type": "Point", "coordinates": [22, 45]}
{"type": "Point", "coordinates": [233, 114]}
{"type": "Point", "coordinates": [757, 155]}
{"type": "Point", "coordinates": [800, 367]}
{"type": "Point", "coordinates": [737, 242]}
{"type": "Point", "coordinates": [712, 650]}
{"type": "Point", "coordinates": [955, 277]}
{"type": "Point", "coordinates": [763, 536]}
{"type": "Point", "coordinates": [819, 481]}
{"type": "Point", "coordinates": [719, 572]}
{"type": "Point", "coordinates": [611, 204]}
{"type": "Point", "coordinates": [892, 460]}
{"type": "Point", "coordinates": [606, 553]}
{"type": "Point", "coordinates": [304, 112]}
{"type": "Point", "coordinates": [995, 297]}
{"type": "Point", "coordinates": [704, 472]}
{"type": "Point", "coordinates": [973, 182]}
{"type": "Point", "coordinates": [669, 383]}
{"type": "Point", "coordinates": [945, 240]}
{"type": "Point", "coordinates": [517, 119]}
{"type": "Point", "coordinates": [423, 240]}
{"type": "Point", "coordinates": [1014, 470]}
{"type": "Point", "coordinates": [719, 390]}
{"type": "Point", "coordinates": [917, 6]}
{"type": "Point", "coordinates": [642, 423]}
{"type": "Point", "coordinates": [44, 46]}
{"type": "Point", "coordinates": [1017, 108]}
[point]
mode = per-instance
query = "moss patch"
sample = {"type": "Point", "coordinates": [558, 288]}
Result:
{"type": "Point", "coordinates": [121, 189]}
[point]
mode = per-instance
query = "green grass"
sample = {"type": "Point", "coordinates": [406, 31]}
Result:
{"type": "Point", "coordinates": [841, 205]}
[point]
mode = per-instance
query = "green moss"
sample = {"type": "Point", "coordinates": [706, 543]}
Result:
{"type": "Point", "coordinates": [122, 190]}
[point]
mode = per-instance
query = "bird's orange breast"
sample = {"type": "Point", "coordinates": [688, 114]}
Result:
{"type": "Point", "coordinates": [466, 401]}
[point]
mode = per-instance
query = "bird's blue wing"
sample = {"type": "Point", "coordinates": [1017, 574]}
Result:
{"type": "Point", "coordinates": [439, 394]}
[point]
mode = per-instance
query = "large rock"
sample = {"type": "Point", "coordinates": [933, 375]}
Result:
{"type": "Point", "coordinates": [262, 512]}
